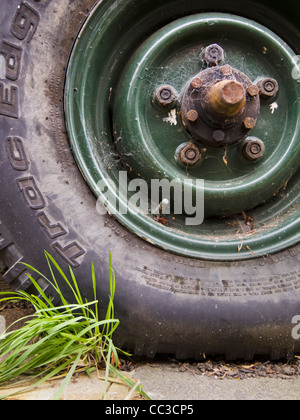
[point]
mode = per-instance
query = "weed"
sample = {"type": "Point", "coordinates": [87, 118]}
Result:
{"type": "Point", "coordinates": [57, 341]}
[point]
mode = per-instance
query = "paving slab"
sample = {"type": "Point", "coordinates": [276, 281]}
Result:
{"type": "Point", "coordinates": [81, 388]}
{"type": "Point", "coordinates": [163, 382]}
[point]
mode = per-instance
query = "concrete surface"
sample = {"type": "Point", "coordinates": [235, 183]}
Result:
{"type": "Point", "coordinates": [163, 382]}
{"type": "Point", "coordinates": [81, 387]}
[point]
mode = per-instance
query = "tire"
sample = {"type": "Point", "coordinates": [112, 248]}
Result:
{"type": "Point", "coordinates": [166, 303]}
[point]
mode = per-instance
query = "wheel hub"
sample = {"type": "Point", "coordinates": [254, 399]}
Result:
{"type": "Point", "coordinates": [220, 106]}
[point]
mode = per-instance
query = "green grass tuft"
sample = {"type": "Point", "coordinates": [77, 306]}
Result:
{"type": "Point", "coordinates": [60, 340]}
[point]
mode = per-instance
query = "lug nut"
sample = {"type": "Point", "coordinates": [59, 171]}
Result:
{"type": "Point", "coordinates": [267, 88]}
{"type": "Point", "coordinates": [254, 149]}
{"type": "Point", "coordinates": [166, 95]}
{"type": "Point", "coordinates": [213, 55]}
{"type": "Point", "coordinates": [189, 154]}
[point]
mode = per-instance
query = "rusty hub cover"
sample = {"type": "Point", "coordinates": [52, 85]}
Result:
{"type": "Point", "coordinates": [222, 98]}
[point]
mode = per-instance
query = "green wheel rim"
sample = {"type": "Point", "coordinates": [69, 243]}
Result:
{"type": "Point", "coordinates": [114, 125]}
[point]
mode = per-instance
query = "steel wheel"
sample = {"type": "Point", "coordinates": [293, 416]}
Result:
{"type": "Point", "coordinates": [117, 123]}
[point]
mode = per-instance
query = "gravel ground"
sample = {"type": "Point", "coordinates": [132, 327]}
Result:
{"type": "Point", "coordinates": [217, 368]}
{"type": "Point", "coordinates": [167, 381]}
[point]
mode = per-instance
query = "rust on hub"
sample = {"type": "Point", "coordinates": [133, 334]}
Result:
{"type": "Point", "coordinates": [192, 115]}
{"type": "Point", "coordinates": [249, 123]}
{"type": "Point", "coordinates": [225, 102]}
{"type": "Point", "coordinates": [227, 97]}
{"type": "Point", "coordinates": [221, 105]}
{"type": "Point", "coordinates": [196, 83]}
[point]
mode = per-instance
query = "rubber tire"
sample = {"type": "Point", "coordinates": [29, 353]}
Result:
{"type": "Point", "coordinates": [165, 303]}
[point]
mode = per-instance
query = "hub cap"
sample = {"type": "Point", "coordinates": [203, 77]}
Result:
{"type": "Point", "coordinates": [226, 112]}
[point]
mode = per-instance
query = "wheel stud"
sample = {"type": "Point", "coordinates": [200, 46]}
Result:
{"type": "Point", "coordinates": [249, 123]}
{"type": "Point", "coordinates": [219, 135]}
{"type": "Point", "coordinates": [196, 83]}
{"type": "Point", "coordinates": [253, 91]}
{"type": "Point", "coordinates": [192, 115]}
{"type": "Point", "coordinates": [227, 70]}
{"type": "Point", "coordinates": [254, 149]}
